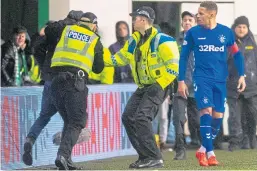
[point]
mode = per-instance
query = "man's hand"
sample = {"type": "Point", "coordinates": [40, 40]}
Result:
{"type": "Point", "coordinates": [241, 84]}
{"type": "Point", "coordinates": [182, 89]}
{"type": "Point", "coordinates": [42, 32]}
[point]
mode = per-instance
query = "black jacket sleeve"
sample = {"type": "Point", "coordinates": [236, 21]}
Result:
{"type": "Point", "coordinates": [39, 48]}
{"type": "Point", "coordinates": [53, 32]}
{"type": "Point", "coordinates": [98, 64]}
{"type": "Point", "coordinates": [7, 55]}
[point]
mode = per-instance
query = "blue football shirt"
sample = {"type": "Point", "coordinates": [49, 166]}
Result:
{"type": "Point", "coordinates": [210, 52]}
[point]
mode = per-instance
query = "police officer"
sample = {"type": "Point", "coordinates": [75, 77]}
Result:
{"type": "Point", "coordinates": [44, 44]}
{"type": "Point", "coordinates": [153, 57]}
{"type": "Point", "coordinates": [78, 52]}
{"type": "Point", "coordinates": [182, 105]}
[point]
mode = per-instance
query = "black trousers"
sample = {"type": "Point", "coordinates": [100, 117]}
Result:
{"type": "Point", "coordinates": [180, 106]}
{"type": "Point", "coordinates": [242, 119]}
{"type": "Point", "coordinates": [141, 109]}
{"type": "Point", "coordinates": [70, 99]}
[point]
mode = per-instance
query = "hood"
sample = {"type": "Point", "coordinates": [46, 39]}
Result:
{"type": "Point", "coordinates": [24, 30]}
{"type": "Point", "coordinates": [121, 39]}
{"type": "Point", "coordinates": [76, 15]}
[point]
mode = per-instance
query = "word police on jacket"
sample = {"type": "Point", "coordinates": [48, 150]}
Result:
{"type": "Point", "coordinates": [78, 36]}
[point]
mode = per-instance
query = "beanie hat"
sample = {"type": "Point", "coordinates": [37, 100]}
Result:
{"type": "Point", "coordinates": [241, 20]}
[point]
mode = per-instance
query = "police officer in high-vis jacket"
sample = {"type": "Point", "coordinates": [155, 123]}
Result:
{"type": "Point", "coordinates": [153, 57]}
{"type": "Point", "coordinates": [78, 52]}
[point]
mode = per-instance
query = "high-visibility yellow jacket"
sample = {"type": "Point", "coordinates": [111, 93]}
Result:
{"type": "Point", "coordinates": [107, 75]}
{"type": "Point", "coordinates": [154, 61]}
{"type": "Point", "coordinates": [34, 72]}
{"type": "Point", "coordinates": [76, 48]}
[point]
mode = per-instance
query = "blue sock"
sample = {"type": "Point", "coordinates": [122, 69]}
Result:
{"type": "Point", "coordinates": [205, 130]}
{"type": "Point", "coordinates": [215, 125]}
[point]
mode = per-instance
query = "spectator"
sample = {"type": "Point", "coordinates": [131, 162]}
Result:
{"type": "Point", "coordinates": [243, 104]}
{"type": "Point", "coordinates": [182, 105]}
{"type": "Point", "coordinates": [122, 74]}
{"type": "Point", "coordinates": [17, 60]}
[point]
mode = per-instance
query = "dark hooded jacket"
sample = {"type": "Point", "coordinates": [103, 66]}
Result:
{"type": "Point", "coordinates": [247, 45]}
{"type": "Point", "coordinates": [122, 74]}
{"type": "Point", "coordinates": [8, 53]}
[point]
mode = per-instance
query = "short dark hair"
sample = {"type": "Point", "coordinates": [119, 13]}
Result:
{"type": "Point", "coordinates": [209, 5]}
{"type": "Point", "coordinates": [168, 29]}
{"type": "Point", "coordinates": [19, 29]}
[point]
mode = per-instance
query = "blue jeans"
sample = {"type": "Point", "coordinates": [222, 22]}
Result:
{"type": "Point", "coordinates": [48, 110]}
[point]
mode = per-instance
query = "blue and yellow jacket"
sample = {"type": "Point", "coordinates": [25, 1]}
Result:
{"type": "Point", "coordinates": [155, 60]}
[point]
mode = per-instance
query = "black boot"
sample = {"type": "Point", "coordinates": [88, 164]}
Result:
{"type": "Point", "coordinates": [233, 146]}
{"type": "Point", "coordinates": [134, 164]}
{"type": "Point", "coordinates": [27, 155]}
{"type": "Point", "coordinates": [245, 142]}
{"type": "Point", "coordinates": [253, 142]}
{"type": "Point", "coordinates": [235, 142]}
{"type": "Point", "coordinates": [180, 147]}
{"type": "Point", "coordinates": [150, 164]}
{"type": "Point", "coordinates": [61, 163]}
{"type": "Point", "coordinates": [72, 166]}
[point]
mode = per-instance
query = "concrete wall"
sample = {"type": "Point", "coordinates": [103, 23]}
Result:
{"type": "Point", "coordinates": [111, 11]}
{"type": "Point", "coordinates": [249, 9]}
{"type": "Point", "coordinates": [229, 10]}
{"type": "Point", "coordinates": [224, 9]}
{"type": "Point", "coordinates": [108, 13]}
{"type": "Point", "coordinates": [58, 9]}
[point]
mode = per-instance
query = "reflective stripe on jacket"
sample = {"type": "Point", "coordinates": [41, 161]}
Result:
{"type": "Point", "coordinates": [154, 61]}
{"type": "Point", "coordinates": [75, 48]}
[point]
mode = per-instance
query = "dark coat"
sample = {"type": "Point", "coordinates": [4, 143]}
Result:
{"type": "Point", "coordinates": [8, 53]}
{"type": "Point", "coordinates": [247, 46]}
